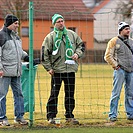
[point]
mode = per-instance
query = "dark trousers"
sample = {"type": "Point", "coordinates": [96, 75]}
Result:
{"type": "Point", "coordinates": [69, 88]}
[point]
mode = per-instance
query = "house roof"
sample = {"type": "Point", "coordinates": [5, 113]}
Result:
{"type": "Point", "coordinates": [101, 5]}
{"type": "Point", "coordinates": [70, 9]}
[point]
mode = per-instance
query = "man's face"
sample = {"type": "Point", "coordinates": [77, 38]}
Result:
{"type": "Point", "coordinates": [59, 24]}
{"type": "Point", "coordinates": [125, 32]}
{"type": "Point", "coordinates": [14, 26]}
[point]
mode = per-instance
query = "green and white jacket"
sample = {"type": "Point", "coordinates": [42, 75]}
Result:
{"type": "Point", "coordinates": [57, 62]}
{"type": "Point", "coordinates": [11, 53]}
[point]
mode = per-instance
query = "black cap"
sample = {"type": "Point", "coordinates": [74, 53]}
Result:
{"type": "Point", "coordinates": [10, 19]}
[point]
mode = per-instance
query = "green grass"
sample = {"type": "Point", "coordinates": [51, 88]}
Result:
{"type": "Point", "coordinates": [92, 95]}
{"type": "Point", "coordinates": [73, 130]}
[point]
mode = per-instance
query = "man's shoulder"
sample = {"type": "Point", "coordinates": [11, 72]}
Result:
{"type": "Point", "coordinates": [1, 32]}
{"type": "Point", "coordinates": [71, 31]}
{"type": "Point", "coordinates": [2, 37]}
{"type": "Point", "coordinates": [131, 39]}
{"type": "Point", "coordinates": [114, 39]}
{"type": "Point", "coordinates": [50, 34]}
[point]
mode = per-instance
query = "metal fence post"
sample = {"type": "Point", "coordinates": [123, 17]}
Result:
{"type": "Point", "coordinates": [31, 78]}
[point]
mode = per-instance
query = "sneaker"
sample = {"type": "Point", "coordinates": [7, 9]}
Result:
{"type": "Point", "coordinates": [72, 121]}
{"type": "Point", "coordinates": [113, 119]}
{"type": "Point", "coordinates": [4, 122]}
{"type": "Point", "coordinates": [51, 121]}
{"type": "Point", "coordinates": [21, 121]}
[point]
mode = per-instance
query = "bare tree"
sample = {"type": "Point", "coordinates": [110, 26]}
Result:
{"type": "Point", "coordinates": [124, 10]}
{"type": "Point", "coordinates": [17, 7]}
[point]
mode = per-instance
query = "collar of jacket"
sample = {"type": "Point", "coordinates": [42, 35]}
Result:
{"type": "Point", "coordinates": [124, 38]}
{"type": "Point", "coordinates": [7, 30]}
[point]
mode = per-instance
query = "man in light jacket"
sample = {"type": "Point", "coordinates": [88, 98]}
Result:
{"type": "Point", "coordinates": [11, 54]}
{"type": "Point", "coordinates": [119, 55]}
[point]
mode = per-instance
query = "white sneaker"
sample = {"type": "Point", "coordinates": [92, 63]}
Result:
{"type": "Point", "coordinates": [51, 121]}
{"type": "Point", "coordinates": [4, 122]}
{"type": "Point", "coordinates": [21, 121]}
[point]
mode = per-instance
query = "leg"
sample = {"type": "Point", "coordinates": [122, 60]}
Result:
{"type": "Point", "coordinates": [69, 81]}
{"type": "Point", "coordinates": [4, 86]}
{"type": "Point", "coordinates": [53, 99]}
{"type": "Point", "coordinates": [129, 95]}
{"type": "Point", "coordinates": [18, 97]}
{"type": "Point", "coordinates": [119, 77]}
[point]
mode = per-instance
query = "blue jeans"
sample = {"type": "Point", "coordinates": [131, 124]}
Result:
{"type": "Point", "coordinates": [15, 83]}
{"type": "Point", "coordinates": [122, 77]}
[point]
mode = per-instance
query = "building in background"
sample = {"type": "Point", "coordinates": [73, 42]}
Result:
{"type": "Point", "coordinates": [106, 22]}
{"type": "Point", "coordinates": [92, 3]}
{"type": "Point", "coordinates": [77, 17]}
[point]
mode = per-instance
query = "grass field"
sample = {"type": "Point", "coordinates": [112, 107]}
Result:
{"type": "Point", "coordinates": [72, 130]}
{"type": "Point", "coordinates": [92, 94]}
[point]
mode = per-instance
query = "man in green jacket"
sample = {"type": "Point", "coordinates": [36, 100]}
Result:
{"type": "Point", "coordinates": [61, 49]}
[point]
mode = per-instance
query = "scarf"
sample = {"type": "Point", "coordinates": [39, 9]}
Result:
{"type": "Point", "coordinates": [69, 49]}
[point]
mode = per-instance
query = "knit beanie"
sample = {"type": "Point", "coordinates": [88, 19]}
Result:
{"type": "Point", "coordinates": [56, 17]}
{"type": "Point", "coordinates": [122, 25]}
{"type": "Point", "coordinates": [10, 19]}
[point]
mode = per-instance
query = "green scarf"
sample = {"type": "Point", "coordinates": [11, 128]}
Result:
{"type": "Point", "coordinates": [69, 48]}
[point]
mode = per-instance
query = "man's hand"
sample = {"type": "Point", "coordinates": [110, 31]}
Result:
{"type": "Point", "coordinates": [51, 72]}
{"type": "Point", "coordinates": [75, 56]}
{"type": "Point", "coordinates": [1, 73]}
{"type": "Point", "coordinates": [116, 68]}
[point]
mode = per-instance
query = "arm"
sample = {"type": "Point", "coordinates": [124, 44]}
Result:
{"type": "Point", "coordinates": [80, 47]}
{"type": "Point", "coordinates": [36, 61]}
{"type": "Point", "coordinates": [25, 57]}
{"type": "Point", "coordinates": [110, 52]}
{"type": "Point", "coordinates": [46, 52]}
{"type": "Point", "coordinates": [1, 72]}
{"type": "Point", "coordinates": [2, 41]}
{"type": "Point", "coordinates": [0, 58]}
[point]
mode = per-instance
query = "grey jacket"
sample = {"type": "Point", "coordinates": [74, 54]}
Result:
{"type": "Point", "coordinates": [57, 62]}
{"type": "Point", "coordinates": [117, 53]}
{"type": "Point", "coordinates": [11, 53]}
